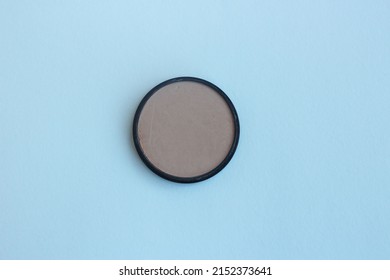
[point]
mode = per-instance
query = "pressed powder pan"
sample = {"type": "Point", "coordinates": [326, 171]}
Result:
{"type": "Point", "coordinates": [186, 130]}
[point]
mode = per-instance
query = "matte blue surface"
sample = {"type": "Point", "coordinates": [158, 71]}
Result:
{"type": "Point", "coordinates": [310, 81]}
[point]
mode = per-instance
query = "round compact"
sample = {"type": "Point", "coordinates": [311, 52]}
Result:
{"type": "Point", "coordinates": [186, 130]}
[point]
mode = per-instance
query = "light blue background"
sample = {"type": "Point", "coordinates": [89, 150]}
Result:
{"type": "Point", "coordinates": [309, 79]}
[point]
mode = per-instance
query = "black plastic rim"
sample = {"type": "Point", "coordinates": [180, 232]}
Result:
{"type": "Point", "coordinates": [186, 179]}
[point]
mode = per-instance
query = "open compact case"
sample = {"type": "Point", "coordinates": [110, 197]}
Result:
{"type": "Point", "coordinates": [186, 129]}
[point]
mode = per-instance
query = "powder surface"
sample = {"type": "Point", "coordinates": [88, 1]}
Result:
{"type": "Point", "coordinates": [186, 129]}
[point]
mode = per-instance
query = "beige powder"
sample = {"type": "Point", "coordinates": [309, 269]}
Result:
{"type": "Point", "coordinates": [186, 129]}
